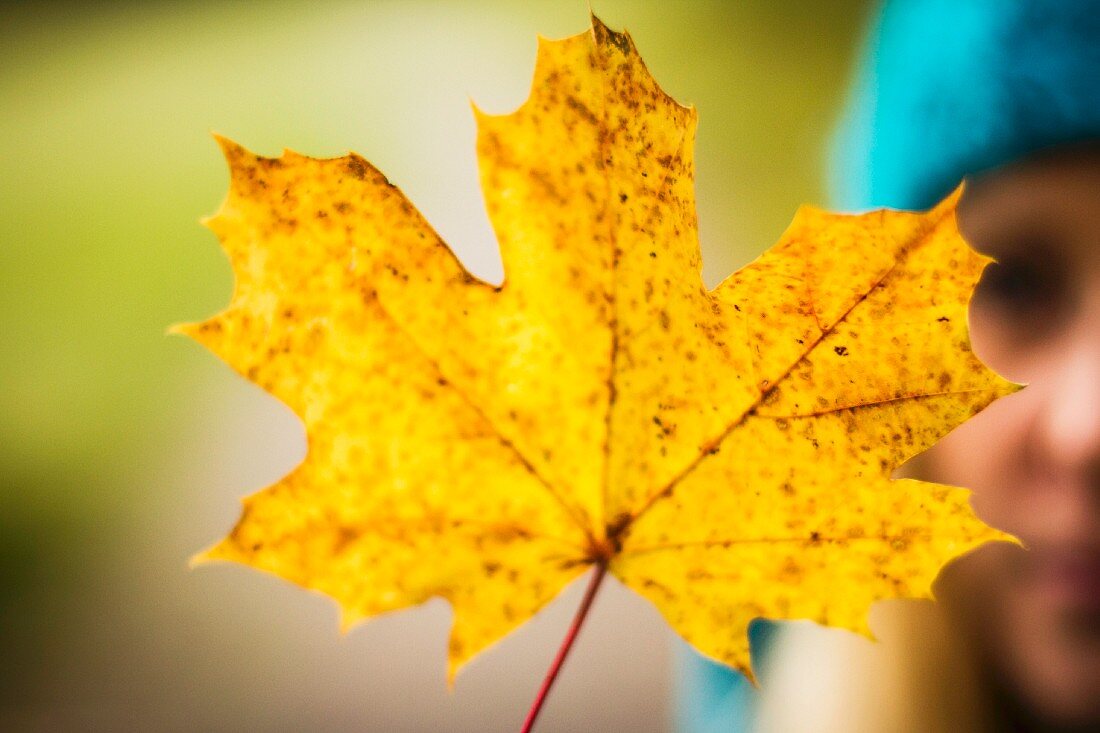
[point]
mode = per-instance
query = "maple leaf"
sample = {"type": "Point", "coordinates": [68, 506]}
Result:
{"type": "Point", "coordinates": [725, 453]}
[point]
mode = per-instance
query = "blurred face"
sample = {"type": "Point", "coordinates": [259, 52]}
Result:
{"type": "Point", "coordinates": [1033, 459]}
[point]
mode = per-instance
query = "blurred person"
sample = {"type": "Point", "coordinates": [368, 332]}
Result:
{"type": "Point", "coordinates": [1006, 94]}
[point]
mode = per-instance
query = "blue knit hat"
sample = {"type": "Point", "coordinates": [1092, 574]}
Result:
{"type": "Point", "coordinates": [949, 88]}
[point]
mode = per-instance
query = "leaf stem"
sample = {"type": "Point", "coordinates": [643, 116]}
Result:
{"type": "Point", "coordinates": [598, 574]}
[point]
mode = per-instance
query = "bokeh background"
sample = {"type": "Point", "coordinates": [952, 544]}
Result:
{"type": "Point", "coordinates": [124, 451]}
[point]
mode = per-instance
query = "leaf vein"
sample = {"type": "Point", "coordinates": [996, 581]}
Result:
{"type": "Point", "coordinates": [903, 255]}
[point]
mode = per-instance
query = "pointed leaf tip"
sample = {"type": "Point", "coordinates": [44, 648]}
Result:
{"type": "Point", "coordinates": [229, 148]}
{"type": "Point", "coordinates": [201, 558]}
{"type": "Point", "coordinates": [606, 36]}
{"type": "Point", "coordinates": [180, 329]}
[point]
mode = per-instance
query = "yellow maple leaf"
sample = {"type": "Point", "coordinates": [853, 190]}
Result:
{"type": "Point", "coordinates": [725, 453]}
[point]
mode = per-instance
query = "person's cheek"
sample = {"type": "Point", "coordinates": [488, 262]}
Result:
{"type": "Point", "coordinates": [985, 455]}
{"type": "Point", "coordinates": [1067, 432]}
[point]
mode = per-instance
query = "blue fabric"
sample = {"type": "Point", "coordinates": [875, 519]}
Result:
{"type": "Point", "coordinates": [712, 697]}
{"type": "Point", "coordinates": [945, 89]}
{"type": "Point", "coordinates": [715, 699]}
{"type": "Point", "coordinates": [949, 88]}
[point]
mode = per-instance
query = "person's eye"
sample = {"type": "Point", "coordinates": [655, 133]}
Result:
{"type": "Point", "coordinates": [1022, 292]}
{"type": "Point", "coordinates": [1014, 283]}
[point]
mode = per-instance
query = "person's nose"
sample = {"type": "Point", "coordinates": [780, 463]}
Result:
{"type": "Point", "coordinates": [1069, 425]}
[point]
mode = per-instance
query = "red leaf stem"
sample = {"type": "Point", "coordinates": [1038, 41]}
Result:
{"type": "Point", "coordinates": [563, 651]}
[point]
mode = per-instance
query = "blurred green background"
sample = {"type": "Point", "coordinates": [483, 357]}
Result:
{"type": "Point", "coordinates": [124, 451]}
